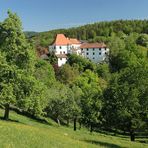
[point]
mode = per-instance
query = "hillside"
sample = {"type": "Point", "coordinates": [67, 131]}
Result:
{"type": "Point", "coordinates": [27, 133]}
{"type": "Point", "coordinates": [30, 34]}
{"type": "Point", "coordinates": [101, 31]}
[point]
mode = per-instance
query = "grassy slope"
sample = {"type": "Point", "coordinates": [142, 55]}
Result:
{"type": "Point", "coordinates": [27, 133]}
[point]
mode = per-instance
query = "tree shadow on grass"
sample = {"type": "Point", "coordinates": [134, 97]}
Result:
{"type": "Point", "coordinates": [142, 141]}
{"type": "Point", "coordinates": [104, 144]}
{"type": "Point", "coordinates": [42, 121]}
{"type": "Point", "coordinates": [9, 120]}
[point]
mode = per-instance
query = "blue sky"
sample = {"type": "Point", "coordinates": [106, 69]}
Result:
{"type": "Point", "coordinates": [43, 15]}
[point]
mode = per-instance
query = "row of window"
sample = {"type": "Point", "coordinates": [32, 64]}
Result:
{"type": "Point", "coordinates": [93, 49]}
{"type": "Point", "coordinates": [61, 52]}
{"type": "Point", "coordinates": [81, 49]}
{"type": "Point", "coordinates": [59, 47]}
{"type": "Point", "coordinates": [94, 53]}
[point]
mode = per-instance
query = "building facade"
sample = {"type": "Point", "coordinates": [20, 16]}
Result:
{"type": "Point", "coordinates": [63, 46]}
{"type": "Point", "coordinates": [96, 52]}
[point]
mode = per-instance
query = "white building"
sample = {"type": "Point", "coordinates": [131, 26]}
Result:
{"type": "Point", "coordinates": [62, 46]}
{"type": "Point", "coordinates": [96, 52]}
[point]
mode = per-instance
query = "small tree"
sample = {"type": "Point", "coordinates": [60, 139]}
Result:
{"type": "Point", "coordinates": [91, 102]}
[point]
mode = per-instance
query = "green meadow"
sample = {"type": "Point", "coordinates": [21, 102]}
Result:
{"type": "Point", "coordinates": [23, 132]}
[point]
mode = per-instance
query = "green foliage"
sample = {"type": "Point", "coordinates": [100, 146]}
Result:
{"type": "Point", "coordinates": [80, 63]}
{"type": "Point", "coordinates": [18, 86]}
{"type": "Point", "coordinates": [103, 71]}
{"type": "Point", "coordinates": [101, 30]}
{"type": "Point", "coordinates": [15, 62]}
{"type": "Point", "coordinates": [125, 98]}
{"type": "Point", "coordinates": [61, 103]}
{"type": "Point", "coordinates": [44, 72]}
{"type": "Point", "coordinates": [91, 102]}
{"type": "Point", "coordinates": [143, 40]}
{"type": "Point", "coordinates": [67, 74]}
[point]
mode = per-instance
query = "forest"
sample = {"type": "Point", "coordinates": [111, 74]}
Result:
{"type": "Point", "coordinates": [110, 96]}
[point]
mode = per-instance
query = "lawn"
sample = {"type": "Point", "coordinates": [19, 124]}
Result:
{"type": "Point", "coordinates": [24, 132]}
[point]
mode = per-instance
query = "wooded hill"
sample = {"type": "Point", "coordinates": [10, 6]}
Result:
{"type": "Point", "coordinates": [102, 31]}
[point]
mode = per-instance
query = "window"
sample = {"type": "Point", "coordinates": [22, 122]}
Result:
{"type": "Point", "coordinates": [82, 49]}
{"type": "Point", "coordinates": [87, 49]}
{"type": "Point", "coordinates": [87, 53]}
{"type": "Point", "coordinates": [93, 49]}
{"type": "Point", "coordinates": [63, 52]}
{"type": "Point", "coordinates": [93, 53]}
{"type": "Point", "coordinates": [99, 53]}
{"type": "Point", "coordinates": [54, 47]}
{"type": "Point", "coordinates": [100, 49]}
{"type": "Point", "coordinates": [60, 47]}
{"type": "Point", "coordinates": [60, 52]}
{"type": "Point", "coordinates": [105, 48]}
{"type": "Point", "coordinates": [61, 59]}
{"type": "Point", "coordinates": [93, 57]}
{"type": "Point", "coordinates": [105, 52]}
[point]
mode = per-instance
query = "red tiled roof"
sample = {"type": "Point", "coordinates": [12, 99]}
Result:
{"type": "Point", "coordinates": [93, 45]}
{"type": "Point", "coordinates": [74, 41]}
{"type": "Point", "coordinates": [61, 40]}
{"type": "Point", "coordinates": [61, 55]}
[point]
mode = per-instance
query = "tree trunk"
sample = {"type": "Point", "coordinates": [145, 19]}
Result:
{"type": "Point", "coordinates": [80, 124]}
{"type": "Point", "coordinates": [132, 135]}
{"type": "Point", "coordinates": [6, 114]}
{"type": "Point", "coordinates": [91, 128]}
{"type": "Point", "coordinates": [67, 122]}
{"type": "Point", "coordinates": [75, 124]}
{"type": "Point", "coordinates": [58, 121]}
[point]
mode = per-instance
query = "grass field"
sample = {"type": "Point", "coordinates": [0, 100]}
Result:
{"type": "Point", "coordinates": [27, 133]}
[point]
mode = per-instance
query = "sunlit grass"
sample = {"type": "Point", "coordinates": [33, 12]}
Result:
{"type": "Point", "coordinates": [27, 133]}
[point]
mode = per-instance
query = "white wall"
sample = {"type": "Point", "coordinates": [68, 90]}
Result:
{"type": "Point", "coordinates": [75, 46]}
{"type": "Point", "coordinates": [95, 54]}
{"type": "Point", "coordinates": [63, 49]}
{"type": "Point", "coordinates": [61, 61]}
